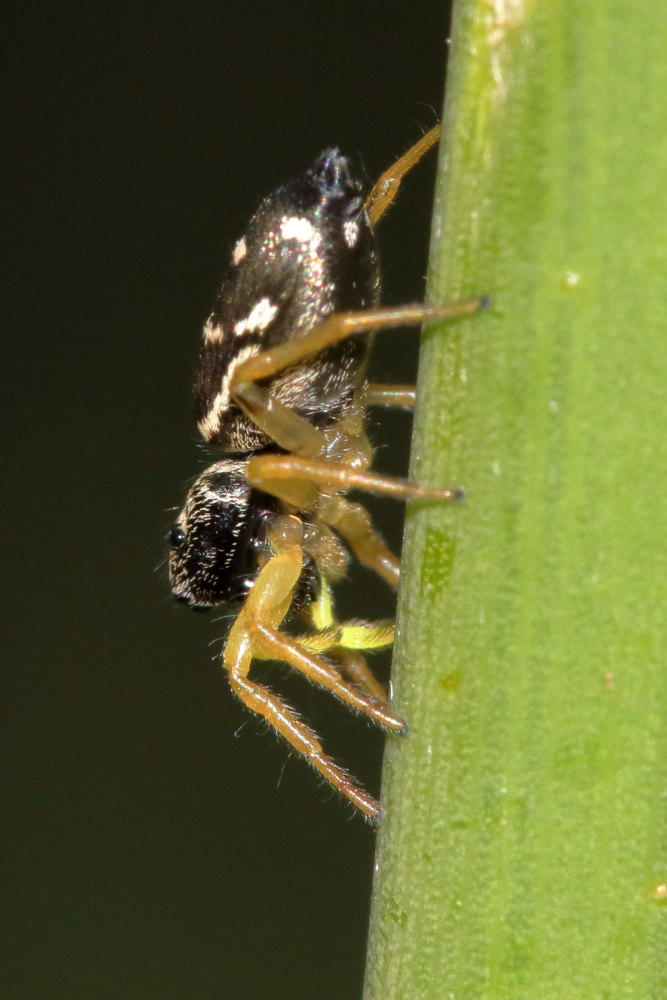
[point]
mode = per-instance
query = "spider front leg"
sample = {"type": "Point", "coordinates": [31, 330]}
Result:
{"type": "Point", "coordinates": [286, 722]}
{"type": "Point", "coordinates": [255, 633]}
{"type": "Point", "coordinates": [279, 646]}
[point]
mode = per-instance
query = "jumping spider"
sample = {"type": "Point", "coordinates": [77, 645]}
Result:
{"type": "Point", "coordinates": [281, 389]}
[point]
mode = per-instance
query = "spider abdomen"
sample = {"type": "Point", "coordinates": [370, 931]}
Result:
{"type": "Point", "coordinates": [309, 251]}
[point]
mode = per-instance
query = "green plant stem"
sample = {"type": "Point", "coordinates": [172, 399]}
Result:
{"type": "Point", "coordinates": [525, 840]}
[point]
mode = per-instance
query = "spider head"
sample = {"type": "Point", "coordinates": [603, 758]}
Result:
{"type": "Point", "coordinates": [219, 540]}
{"type": "Point", "coordinates": [218, 537]}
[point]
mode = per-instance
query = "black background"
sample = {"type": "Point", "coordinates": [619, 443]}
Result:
{"type": "Point", "coordinates": [157, 841]}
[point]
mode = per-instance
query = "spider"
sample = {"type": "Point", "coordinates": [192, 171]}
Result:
{"type": "Point", "coordinates": [281, 389]}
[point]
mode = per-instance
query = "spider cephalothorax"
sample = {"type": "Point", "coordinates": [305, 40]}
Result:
{"type": "Point", "coordinates": [219, 541]}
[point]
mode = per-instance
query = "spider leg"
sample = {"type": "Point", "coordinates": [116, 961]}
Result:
{"type": "Point", "coordinates": [286, 722]}
{"type": "Point", "coordinates": [283, 647]}
{"type": "Point", "coordinates": [391, 395]}
{"type": "Point", "coordinates": [385, 189]}
{"type": "Point", "coordinates": [347, 656]}
{"type": "Point", "coordinates": [358, 635]}
{"type": "Point", "coordinates": [339, 326]}
{"type": "Point", "coordinates": [352, 637]}
{"type": "Point", "coordinates": [354, 666]}
{"type": "Point", "coordinates": [290, 431]}
{"type": "Point", "coordinates": [267, 642]}
{"type": "Point", "coordinates": [354, 523]}
{"type": "Point", "coordinates": [294, 433]}
{"type": "Point", "coordinates": [255, 631]}
{"type": "Point", "coordinates": [267, 471]}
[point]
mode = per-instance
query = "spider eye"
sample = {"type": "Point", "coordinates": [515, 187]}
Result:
{"type": "Point", "coordinates": [176, 537]}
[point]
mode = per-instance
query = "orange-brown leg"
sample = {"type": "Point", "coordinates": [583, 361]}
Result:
{"type": "Point", "coordinates": [354, 523]}
{"type": "Point", "coordinates": [338, 327]}
{"type": "Point", "coordinates": [266, 471]}
{"type": "Point", "coordinates": [391, 395]}
{"type": "Point", "coordinates": [282, 647]}
{"type": "Point", "coordinates": [286, 722]}
{"type": "Point", "coordinates": [354, 666]}
{"type": "Point", "coordinates": [292, 432]}
{"type": "Point", "coordinates": [385, 189]}
{"type": "Point", "coordinates": [266, 605]}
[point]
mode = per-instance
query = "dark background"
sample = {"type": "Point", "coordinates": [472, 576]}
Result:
{"type": "Point", "coordinates": [156, 840]}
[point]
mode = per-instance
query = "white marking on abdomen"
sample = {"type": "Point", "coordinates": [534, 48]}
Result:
{"type": "Point", "coordinates": [209, 425]}
{"type": "Point", "coordinates": [294, 228]}
{"type": "Point", "coordinates": [258, 318]}
{"type": "Point", "coordinates": [239, 251]}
